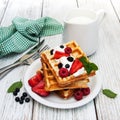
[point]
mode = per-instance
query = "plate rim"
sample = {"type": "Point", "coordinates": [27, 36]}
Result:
{"type": "Point", "coordinates": [43, 101]}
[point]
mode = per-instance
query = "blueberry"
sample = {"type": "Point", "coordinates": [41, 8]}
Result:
{"type": "Point", "coordinates": [17, 99]}
{"type": "Point", "coordinates": [24, 94]}
{"type": "Point", "coordinates": [51, 52]}
{"type": "Point", "coordinates": [21, 101]}
{"type": "Point", "coordinates": [14, 93]}
{"type": "Point", "coordinates": [70, 59]}
{"type": "Point", "coordinates": [22, 97]}
{"type": "Point", "coordinates": [61, 46]}
{"type": "Point", "coordinates": [27, 100]}
{"type": "Point", "coordinates": [67, 65]}
{"type": "Point", "coordinates": [17, 90]}
{"type": "Point", "coordinates": [60, 65]}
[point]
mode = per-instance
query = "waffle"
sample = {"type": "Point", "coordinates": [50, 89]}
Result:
{"type": "Point", "coordinates": [52, 85]}
{"type": "Point", "coordinates": [52, 64]}
{"type": "Point", "coordinates": [66, 93]}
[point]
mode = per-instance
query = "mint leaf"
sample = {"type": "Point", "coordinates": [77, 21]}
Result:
{"type": "Point", "coordinates": [88, 68]}
{"type": "Point", "coordinates": [84, 60]}
{"type": "Point", "coordinates": [93, 66]}
{"type": "Point", "coordinates": [14, 86]}
{"type": "Point", "coordinates": [88, 65]}
{"type": "Point", "coordinates": [109, 93]}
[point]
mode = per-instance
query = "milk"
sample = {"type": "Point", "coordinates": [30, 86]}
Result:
{"type": "Point", "coordinates": [80, 20]}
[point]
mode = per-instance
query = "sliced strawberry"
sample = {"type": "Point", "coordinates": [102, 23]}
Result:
{"type": "Point", "coordinates": [39, 76]}
{"type": "Point", "coordinates": [76, 65]}
{"type": "Point", "coordinates": [59, 54]}
{"type": "Point", "coordinates": [41, 92]}
{"type": "Point", "coordinates": [40, 85]}
{"type": "Point", "coordinates": [33, 81]}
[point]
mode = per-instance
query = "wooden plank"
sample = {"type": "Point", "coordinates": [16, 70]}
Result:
{"type": "Point", "coordinates": [107, 58]}
{"type": "Point", "coordinates": [81, 113]}
{"type": "Point", "coordinates": [58, 9]}
{"type": "Point", "coordinates": [3, 6]}
{"type": "Point", "coordinates": [28, 9]}
{"type": "Point", "coordinates": [116, 7]}
{"type": "Point", "coordinates": [9, 109]}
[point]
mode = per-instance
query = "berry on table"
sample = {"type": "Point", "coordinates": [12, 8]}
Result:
{"type": "Point", "coordinates": [22, 97]}
{"type": "Point", "coordinates": [21, 101]}
{"type": "Point", "coordinates": [24, 94]}
{"type": "Point", "coordinates": [17, 99]}
{"type": "Point", "coordinates": [17, 90]}
{"type": "Point", "coordinates": [27, 99]}
{"type": "Point", "coordinates": [14, 93]}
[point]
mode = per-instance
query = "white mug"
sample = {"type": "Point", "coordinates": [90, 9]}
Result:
{"type": "Point", "coordinates": [82, 25]}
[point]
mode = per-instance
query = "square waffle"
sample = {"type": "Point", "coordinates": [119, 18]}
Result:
{"type": "Point", "coordinates": [66, 93]}
{"type": "Point", "coordinates": [52, 85]}
{"type": "Point", "coordinates": [48, 58]}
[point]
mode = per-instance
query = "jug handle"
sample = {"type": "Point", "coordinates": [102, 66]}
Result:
{"type": "Point", "coordinates": [100, 14]}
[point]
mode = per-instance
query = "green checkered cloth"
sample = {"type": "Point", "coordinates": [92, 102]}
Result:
{"type": "Point", "coordinates": [24, 33]}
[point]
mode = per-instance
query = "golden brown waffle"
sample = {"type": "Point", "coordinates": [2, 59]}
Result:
{"type": "Point", "coordinates": [67, 93]}
{"type": "Point", "coordinates": [40, 70]}
{"type": "Point", "coordinates": [53, 65]}
{"type": "Point", "coordinates": [52, 85]}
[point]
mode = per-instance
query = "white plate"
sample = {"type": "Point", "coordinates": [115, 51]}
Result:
{"type": "Point", "coordinates": [53, 100]}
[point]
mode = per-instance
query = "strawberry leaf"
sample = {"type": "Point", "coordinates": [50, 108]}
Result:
{"type": "Point", "coordinates": [14, 86]}
{"type": "Point", "coordinates": [109, 93]}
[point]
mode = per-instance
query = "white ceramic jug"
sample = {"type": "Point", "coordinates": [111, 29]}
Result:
{"type": "Point", "coordinates": [82, 25]}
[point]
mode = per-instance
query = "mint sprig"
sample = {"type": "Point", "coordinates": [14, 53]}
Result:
{"type": "Point", "coordinates": [88, 65]}
{"type": "Point", "coordinates": [109, 93]}
{"type": "Point", "coordinates": [14, 86]}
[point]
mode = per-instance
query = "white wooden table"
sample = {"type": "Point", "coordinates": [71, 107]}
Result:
{"type": "Point", "coordinates": [107, 58]}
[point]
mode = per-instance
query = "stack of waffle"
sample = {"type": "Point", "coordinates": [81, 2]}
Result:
{"type": "Point", "coordinates": [63, 86]}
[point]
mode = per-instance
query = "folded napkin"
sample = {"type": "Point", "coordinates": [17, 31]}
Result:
{"type": "Point", "coordinates": [24, 33]}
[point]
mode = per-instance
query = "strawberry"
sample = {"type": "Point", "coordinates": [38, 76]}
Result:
{"type": "Point", "coordinates": [33, 81]}
{"type": "Point", "coordinates": [59, 54]}
{"type": "Point", "coordinates": [40, 85]}
{"type": "Point", "coordinates": [76, 65]}
{"type": "Point", "coordinates": [41, 92]}
{"type": "Point", "coordinates": [39, 76]}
